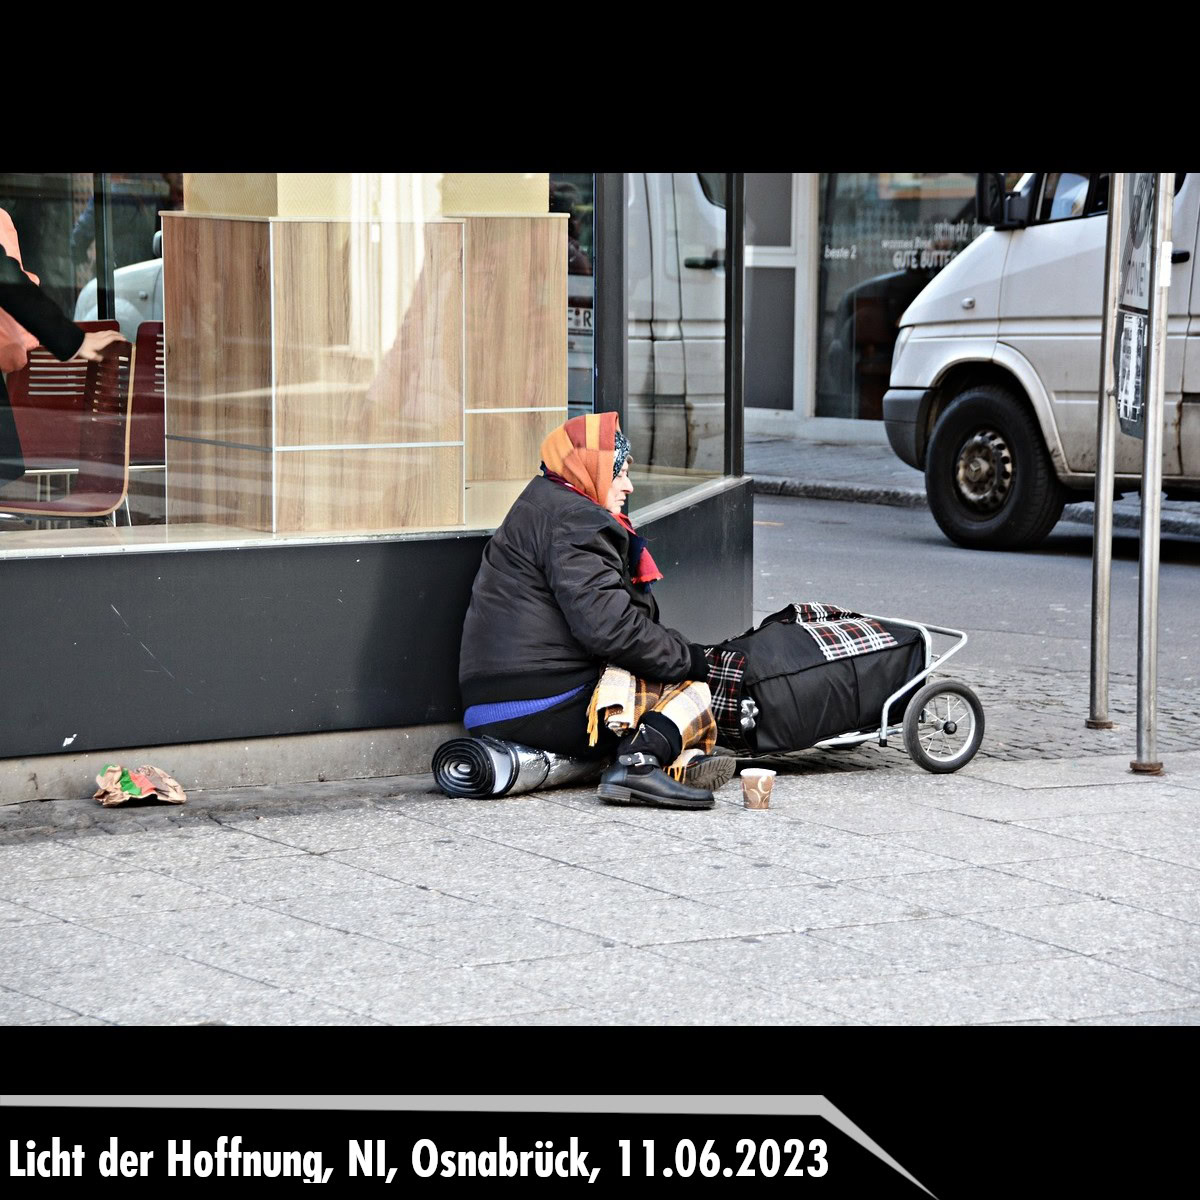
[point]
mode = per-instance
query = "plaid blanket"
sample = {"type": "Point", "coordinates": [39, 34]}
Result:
{"type": "Point", "coordinates": [621, 699]}
{"type": "Point", "coordinates": [845, 638]}
{"type": "Point", "coordinates": [726, 671]}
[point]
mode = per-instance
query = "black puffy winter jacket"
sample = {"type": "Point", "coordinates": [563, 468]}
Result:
{"type": "Point", "coordinates": [553, 604]}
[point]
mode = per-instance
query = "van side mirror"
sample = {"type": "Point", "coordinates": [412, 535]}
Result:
{"type": "Point", "coordinates": [156, 244]}
{"type": "Point", "coordinates": [995, 205]}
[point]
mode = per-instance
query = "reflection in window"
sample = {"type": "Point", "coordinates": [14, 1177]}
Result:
{"type": "Point", "coordinates": [574, 193]}
{"type": "Point", "coordinates": [675, 278]}
{"type": "Point", "coordinates": [883, 238]}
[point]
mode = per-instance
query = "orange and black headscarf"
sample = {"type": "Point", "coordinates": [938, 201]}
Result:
{"type": "Point", "coordinates": [582, 454]}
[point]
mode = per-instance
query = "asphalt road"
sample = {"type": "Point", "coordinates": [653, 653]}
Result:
{"type": "Point", "coordinates": [1029, 609]}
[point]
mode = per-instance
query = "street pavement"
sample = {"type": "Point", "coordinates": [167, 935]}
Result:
{"type": "Point", "coordinates": [1044, 883]}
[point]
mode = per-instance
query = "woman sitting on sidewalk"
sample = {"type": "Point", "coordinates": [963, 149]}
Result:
{"type": "Point", "coordinates": [564, 592]}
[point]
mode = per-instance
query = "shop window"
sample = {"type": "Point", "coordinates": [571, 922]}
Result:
{"type": "Point", "coordinates": [883, 237]}
{"type": "Point", "coordinates": [342, 355]}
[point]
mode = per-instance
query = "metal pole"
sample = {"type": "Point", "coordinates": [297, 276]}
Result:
{"type": "Point", "coordinates": [735, 243]}
{"type": "Point", "coordinates": [106, 290]}
{"type": "Point", "coordinates": [610, 311]}
{"type": "Point", "coordinates": [1147, 687]}
{"type": "Point", "coordinates": [1106, 449]}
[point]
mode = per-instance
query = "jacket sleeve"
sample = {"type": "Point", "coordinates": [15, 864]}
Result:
{"type": "Point", "coordinates": [583, 568]}
{"type": "Point", "coordinates": [29, 306]}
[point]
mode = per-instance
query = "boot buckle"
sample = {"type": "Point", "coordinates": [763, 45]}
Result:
{"type": "Point", "coordinates": [637, 759]}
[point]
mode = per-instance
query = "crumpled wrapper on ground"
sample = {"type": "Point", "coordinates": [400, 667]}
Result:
{"type": "Point", "coordinates": [118, 785]}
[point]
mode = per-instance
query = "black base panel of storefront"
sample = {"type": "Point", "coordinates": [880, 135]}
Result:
{"type": "Point", "coordinates": [190, 646]}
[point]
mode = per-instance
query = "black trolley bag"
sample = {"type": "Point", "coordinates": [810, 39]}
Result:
{"type": "Point", "coordinates": [812, 672]}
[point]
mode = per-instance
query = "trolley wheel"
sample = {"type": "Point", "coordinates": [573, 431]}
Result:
{"type": "Point", "coordinates": [943, 727]}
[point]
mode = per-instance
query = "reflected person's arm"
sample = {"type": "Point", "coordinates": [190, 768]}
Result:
{"type": "Point", "coordinates": [30, 307]}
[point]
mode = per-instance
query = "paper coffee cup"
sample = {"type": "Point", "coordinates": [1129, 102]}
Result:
{"type": "Point", "coordinates": [756, 787]}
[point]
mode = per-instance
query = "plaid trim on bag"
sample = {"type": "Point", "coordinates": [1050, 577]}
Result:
{"type": "Point", "coordinates": [726, 670]}
{"type": "Point", "coordinates": [844, 639]}
{"type": "Point", "coordinates": [809, 614]}
{"type": "Point", "coordinates": [621, 700]}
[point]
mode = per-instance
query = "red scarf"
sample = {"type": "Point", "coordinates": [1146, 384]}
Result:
{"type": "Point", "coordinates": [644, 569]}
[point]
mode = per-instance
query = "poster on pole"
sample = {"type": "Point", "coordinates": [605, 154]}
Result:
{"type": "Point", "coordinates": [1133, 305]}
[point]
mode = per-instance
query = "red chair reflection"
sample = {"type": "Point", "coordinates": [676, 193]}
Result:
{"type": "Point", "coordinates": [48, 399]}
{"type": "Point", "coordinates": [95, 429]}
{"type": "Point", "coordinates": [147, 444]}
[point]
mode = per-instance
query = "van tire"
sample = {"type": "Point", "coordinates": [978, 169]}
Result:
{"type": "Point", "coordinates": [989, 479]}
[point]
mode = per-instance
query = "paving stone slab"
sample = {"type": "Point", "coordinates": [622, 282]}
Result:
{"type": "Point", "coordinates": [638, 987]}
{"type": "Point", "coordinates": [937, 943]}
{"type": "Point", "coordinates": [817, 906]}
{"type": "Point", "coordinates": [436, 997]}
{"type": "Point", "coordinates": [18, 914]}
{"type": "Point", "coordinates": [1050, 988]}
{"type": "Point", "coordinates": [189, 846]}
{"type": "Point", "coordinates": [1179, 963]}
{"type": "Point", "coordinates": [697, 871]}
{"type": "Point", "coordinates": [990, 842]}
{"type": "Point", "coordinates": [385, 913]}
{"type": "Point", "coordinates": [839, 856]}
{"type": "Point", "coordinates": [593, 841]}
{"type": "Point", "coordinates": [498, 937]}
{"type": "Point", "coordinates": [553, 888]}
{"type": "Point", "coordinates": [71, 1021]}
{"type": "Point", "coordinates": [17, 1008]}
{"type": "Point", "coordinates": [555, 1016]}
{"type": "Point", "coordinates": [111, 893]}
{"type": "Point", "coordinates": [772, 960]}
{"type": "Point", "coordinates": [1183, 906]}
{"type": "Point", "coordinates": [1136, 830]}
{"type": "Point", "coordinates": [674, 919]}
{"type": "Point", "coordinates": [964, 890]}
{"type": "Point", "coordinates": [267, 946]}
{"type": "Point", "coordinates": [449, 863]}
{"type": "Point", "coordinates": [64, 858]}
{"type": "Point", "coordinates": [337, 830]}
{"type": "Point", "coordinates": [882, 815]}
{"type": "Point", "coordinates": [1101, 771]}
{"type": "Point", "coordinates": [1033, 804]}
{"type": "Point", "coordinates": [1178, 1016]}
{"type": "Point", "coordinates": [282, 878]}
{"type": "Point", "coordinates": [1109, 874]}
{"type": "Point", "coordinates": [482, 817]}
{"type": "Point", "coordinates": [1092, 926]}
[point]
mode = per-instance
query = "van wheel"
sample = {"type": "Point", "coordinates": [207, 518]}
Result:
{"type": "Point", "coordinates": [988, 476]}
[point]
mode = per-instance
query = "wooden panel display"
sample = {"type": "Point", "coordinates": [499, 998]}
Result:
{"type": "Point", "coordinates": [217, 324]}
{"type": "Point", "coordinates": [347, 350]}
{"type": "Point", "coordinates": [368, 327]}
{"type": "Point", "coordinates": [506, 445]}
{"type": "Point", "coordinates": [376, 490]}
{"type": "Point", "coordinates": [516, 312]}
{"type": "Point", "coordinates": [218, 485]}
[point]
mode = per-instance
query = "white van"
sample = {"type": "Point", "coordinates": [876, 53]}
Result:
{"type": "Point", "coordinates": [996, 368]}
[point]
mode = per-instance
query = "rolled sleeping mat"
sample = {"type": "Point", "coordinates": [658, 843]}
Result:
{"type": "Point", "coordinates": [484, 767]}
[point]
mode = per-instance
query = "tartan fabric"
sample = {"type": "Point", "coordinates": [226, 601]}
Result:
{"type": "Point", "coordinates": [844, 639]}
{"type": "Point", "coordinates": [726, 669]}
{"type": "Point", "coordinates": [808, 614]}
{"type": "Point", "coordinates": [621, 699]}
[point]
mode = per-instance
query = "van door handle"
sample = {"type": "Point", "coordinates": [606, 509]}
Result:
{"type": "Point", "coordinates": [1178, 256]}
{"type": "Point", "coordinates": [716, 259]}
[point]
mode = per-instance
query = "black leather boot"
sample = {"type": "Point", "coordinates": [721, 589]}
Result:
{"type": "Point", "coordinates": [638, 777]}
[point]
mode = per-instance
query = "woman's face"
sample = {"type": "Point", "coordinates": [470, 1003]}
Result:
{"type": "Point", "coordinates": [622, 485]}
